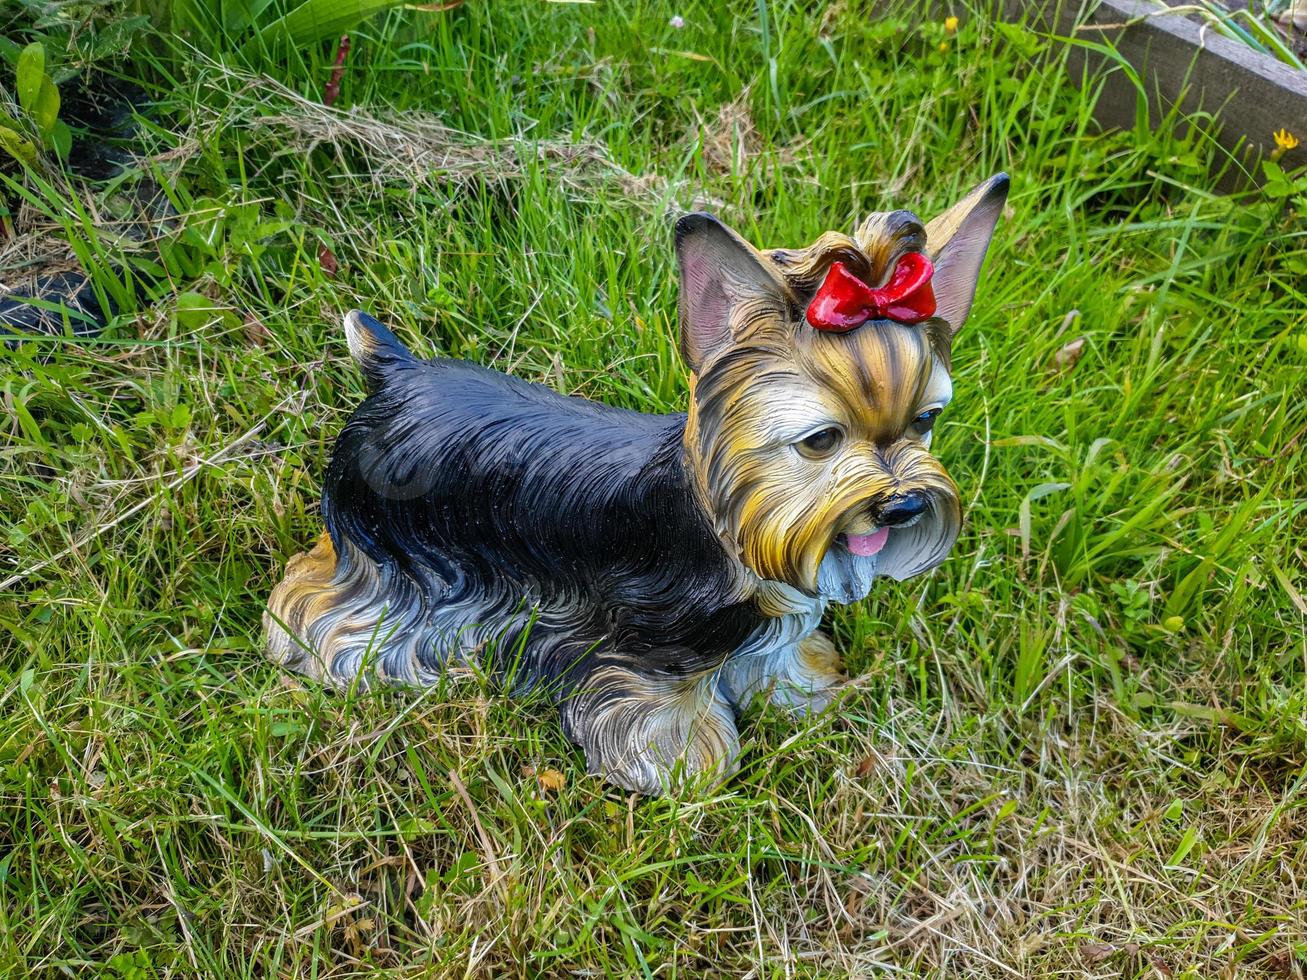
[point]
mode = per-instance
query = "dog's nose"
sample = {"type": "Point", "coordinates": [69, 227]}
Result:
{"type": "Point", "coordinates": [901, 508]}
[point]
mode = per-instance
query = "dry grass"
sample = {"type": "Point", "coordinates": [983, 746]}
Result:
{"type": "Point", "coordinates": [416, 148]}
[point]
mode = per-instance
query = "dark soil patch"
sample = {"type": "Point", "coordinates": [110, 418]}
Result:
{"type": "Point", "coordinates": [49, 297]}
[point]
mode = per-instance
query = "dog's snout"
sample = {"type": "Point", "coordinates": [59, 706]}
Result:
{"type": "Point", "coordinates": [901, 508]}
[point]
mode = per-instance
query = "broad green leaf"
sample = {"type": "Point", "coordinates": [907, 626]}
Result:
{"type": "Point", "coordinates": [1277, 183]}
{"type": "Point", "coordinates": [195, 311]}
{"type": "Point", "coordinates": [31, 70]}
{"type": "Point", "coordinates": [239, 14]}
{"type": "Point", "coordinates": [62, 138]}
{"type": "Point", "coordinates": [316, 20]}
{"type": "Point", "coordinates": [46, 110]}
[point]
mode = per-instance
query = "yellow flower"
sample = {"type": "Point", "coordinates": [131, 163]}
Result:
{"type": "Point", "coordinates": [951, 25]}
{"type": "Point", "coordinates": [943, 46]}
{"type": "Point", "coordinates": [1284, 141]}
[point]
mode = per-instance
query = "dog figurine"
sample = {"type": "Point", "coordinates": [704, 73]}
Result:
{"type": "Point", "coordinates": [653, 572]}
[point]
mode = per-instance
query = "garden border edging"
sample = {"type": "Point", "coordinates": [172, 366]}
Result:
{"type": "Point", "coordinates": [1249, 95]}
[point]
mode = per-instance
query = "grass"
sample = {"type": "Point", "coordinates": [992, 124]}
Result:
{"type": "Point", "coordinates": [1079, 748]}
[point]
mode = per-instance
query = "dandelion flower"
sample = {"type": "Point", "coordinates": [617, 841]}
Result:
{"type": "Point", "coordinates": [1284, 142]}
{"type": "Point", "coordinates": [950, 25]}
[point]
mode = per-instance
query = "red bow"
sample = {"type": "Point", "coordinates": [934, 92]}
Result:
{"type": "Point", "coordinates": [844, 301]}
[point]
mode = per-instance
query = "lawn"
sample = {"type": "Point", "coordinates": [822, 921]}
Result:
{"type": "Point", "coordinates": [1078, 748]}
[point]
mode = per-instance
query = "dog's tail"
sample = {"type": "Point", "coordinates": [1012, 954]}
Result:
{"type": "Point", "coordinates": [377, 350]}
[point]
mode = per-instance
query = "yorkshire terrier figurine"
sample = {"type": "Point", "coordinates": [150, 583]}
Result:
{"type": "Point", "coordinates": [653, 573]}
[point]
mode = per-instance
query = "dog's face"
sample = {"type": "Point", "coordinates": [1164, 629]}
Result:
{"type": "Point", "coordinates": [811, 448]}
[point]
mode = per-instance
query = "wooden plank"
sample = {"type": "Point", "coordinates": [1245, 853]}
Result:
{"type": "Point", "coordinates": [1183, 63]}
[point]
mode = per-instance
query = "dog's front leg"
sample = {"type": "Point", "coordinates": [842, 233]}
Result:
{"type": "Point", "coordinates": [793, 663]}
{"type": "Point", "coordinates": [652, 733]}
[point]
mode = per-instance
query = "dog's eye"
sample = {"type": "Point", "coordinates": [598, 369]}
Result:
{"type": "Point", "coordinates": [926, 420]}
{"type": "Point", "coordinates": [821, 443]}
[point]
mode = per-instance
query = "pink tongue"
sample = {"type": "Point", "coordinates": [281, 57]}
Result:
{"type": "Point", "coordinates": [866, 545]}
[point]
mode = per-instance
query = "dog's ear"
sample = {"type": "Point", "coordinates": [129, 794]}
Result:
{"type": "Point", "coordinates": [726, 288]}
{"type": "Point", "coordinates": [956, 241]}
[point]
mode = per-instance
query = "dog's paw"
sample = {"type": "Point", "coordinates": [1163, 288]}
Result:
{"type": "Point", "coordinates": [653, 735]}
{"type": "Point", "coordinates": [810, 678]}
{"type": "Point", "coordinates": [802, 676]}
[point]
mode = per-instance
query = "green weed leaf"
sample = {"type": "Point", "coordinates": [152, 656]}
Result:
{"type": "Point", "coordinates": [194, 310]}
{"type": "Point", "coordinates": [317, 20]}
{"type": "Point", "coordinates": [62, 139]}
{"type": "Point", "coordinates": [239, 14]}
{"type": "Point", "coordinates": [1277, 184]}
{"type": "Point", "coordinates": [31, 71]}
{"type": "Point", "coordinates": [46, 110]}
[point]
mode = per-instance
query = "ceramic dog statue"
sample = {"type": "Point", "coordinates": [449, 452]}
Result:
{"type": "Point", "coordinates": [654, 572]}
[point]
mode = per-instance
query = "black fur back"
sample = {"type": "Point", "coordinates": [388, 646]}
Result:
{"type": "Point", "coordinates": [510, 503]}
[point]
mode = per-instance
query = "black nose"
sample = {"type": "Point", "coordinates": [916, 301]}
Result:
{"type": "Point", "coordinates": [901, 508]}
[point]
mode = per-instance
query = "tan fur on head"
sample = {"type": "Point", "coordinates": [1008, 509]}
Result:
{"type": "Point", "coordinates": [765, 387]}
{"type": "Point", "coordinates": [783, 510]}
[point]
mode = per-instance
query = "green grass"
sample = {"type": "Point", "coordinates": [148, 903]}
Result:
{"type": "Point", "coordinates": [1077, 748]}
